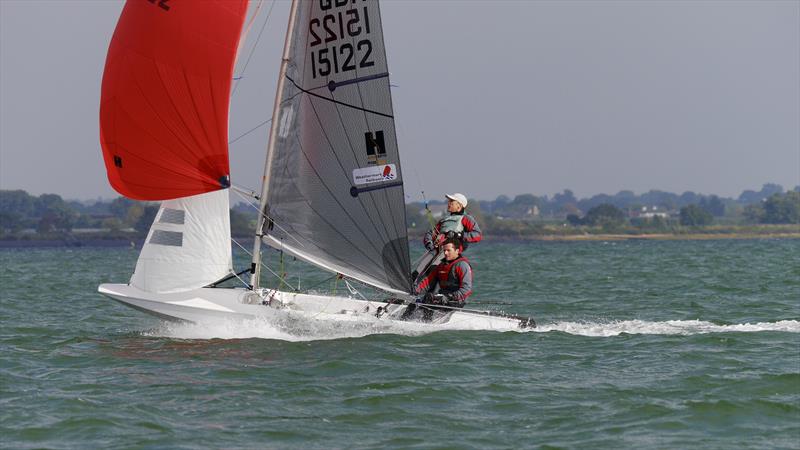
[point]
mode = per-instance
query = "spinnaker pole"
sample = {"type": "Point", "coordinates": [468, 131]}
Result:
{"type": "Point", "coordinates": [255, 266]}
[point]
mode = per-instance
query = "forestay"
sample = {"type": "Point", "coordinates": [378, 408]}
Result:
{"type": "Point", "coordinates": [335, 196]}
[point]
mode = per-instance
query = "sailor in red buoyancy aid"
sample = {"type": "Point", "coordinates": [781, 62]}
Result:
{"type": "Point", "coordinates": [450, 282]}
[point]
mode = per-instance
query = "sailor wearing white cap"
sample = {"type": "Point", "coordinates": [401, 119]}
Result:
{"type": "Point", "coordinates": [456, 224]}
{"type": "Point", "coordinates": [460, 198]}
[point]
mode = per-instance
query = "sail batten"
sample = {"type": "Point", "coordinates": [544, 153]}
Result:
{"type": "Point", "coordinates": [336, 137]}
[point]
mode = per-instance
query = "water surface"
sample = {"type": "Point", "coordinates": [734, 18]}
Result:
{"type": "Point", "coordinates": [646, 344]}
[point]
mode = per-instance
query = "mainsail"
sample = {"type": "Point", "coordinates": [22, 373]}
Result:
{"type": "Point", "coordinates": [335, 193]}
{"type": "Point", "coordinates": [165, 97]}
{"type": "Point", "coordinates": [164, 133]}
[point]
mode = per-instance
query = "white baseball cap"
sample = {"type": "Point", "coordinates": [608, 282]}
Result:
{"type": "Point", "coordinates": [460, 198]}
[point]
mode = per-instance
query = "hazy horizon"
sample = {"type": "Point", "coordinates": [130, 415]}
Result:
{"type": "Point", "coordinates": [236, 199]}
{"type": "Point", "coordinates": [507, 99]}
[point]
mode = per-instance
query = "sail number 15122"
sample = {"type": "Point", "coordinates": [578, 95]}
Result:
{"type": "Point", "coordinates": [355, 52]}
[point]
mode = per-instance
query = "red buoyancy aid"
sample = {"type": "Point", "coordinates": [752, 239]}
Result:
{"type": "Point", "coordinates": [443, 273]}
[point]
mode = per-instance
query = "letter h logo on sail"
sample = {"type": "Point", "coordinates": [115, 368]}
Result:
{"type": "Point", "coordinates": [376, 149]}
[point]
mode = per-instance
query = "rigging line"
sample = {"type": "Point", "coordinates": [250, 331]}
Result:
{"type": "Point", "coordinates": [261, 124]}
{"type": "Point", "coordinates": [253, 49]}
{"type": "Point", "coordinates": [282, 279]}
{"type": "Point", "coordinates": [354, 290]}
{"type": "Point", "coordinates": [240, 246]}
{"type": "Point", "coordinates": [251, 130]}
{"type": "Point", "coordinates": [268, 218]}
{"type": "Point", "coordinates": [229, 277]}
{"type": "Point", "coordinates": [240, 279]}
{"type": "Point", "coordinates": [362, 285]}
{"type": "Point", "coordinates": [336, 101]}
{"type": "Point", "coordinates": [279, 277]}
{"type": "Point", "coordinates": [428, 212]}
{"type": "Point", "coordinates": [249, 25]}
{"type": "Point", "coordinates": [244, 190]}
{"type": "Point", "coordinates": [308, 289]}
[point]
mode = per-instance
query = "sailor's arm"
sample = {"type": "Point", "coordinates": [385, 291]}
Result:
{"type": "Point", "coordinates": [472, 232]}
{"type": "Point", "coordinates": [430, 235]}
{"type": "Point", "coordinates": [463, 272]}
{"type": "Point", "coordinates": [427, 283]}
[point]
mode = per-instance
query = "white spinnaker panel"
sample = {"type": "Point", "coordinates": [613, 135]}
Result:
{"type": "Point", "coordinates": [188, 246]}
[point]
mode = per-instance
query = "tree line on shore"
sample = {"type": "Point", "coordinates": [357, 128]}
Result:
{"type": "Point", "coordinates": [653, 211]}
{"type": "Point", "coordinates": [50, 216]}
{"type": "Point", "coordinates": [46, 216]}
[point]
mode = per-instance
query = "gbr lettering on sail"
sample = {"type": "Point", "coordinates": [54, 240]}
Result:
{"type": "Point", "coordinates": [340, 37]}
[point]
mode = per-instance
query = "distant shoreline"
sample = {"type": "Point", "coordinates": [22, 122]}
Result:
{"type": "Point", "coordinates": [648, 237]}
{"type": "Point", "coordinates": [137, 242]}
{"type": "Point", "coordinates": [62, 243]}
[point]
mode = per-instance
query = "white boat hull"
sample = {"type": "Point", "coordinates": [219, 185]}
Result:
{"type": "Point", "coordinates": [208, 304]}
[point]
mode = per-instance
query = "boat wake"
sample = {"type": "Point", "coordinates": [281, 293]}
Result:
{"type": "Point", "coordinates": [298, 328]}
{"type": "Point", "coordinates": [669, 327]}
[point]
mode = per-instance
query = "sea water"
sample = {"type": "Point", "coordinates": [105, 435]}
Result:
{"type": "Point", "coordinates": [640, 344]}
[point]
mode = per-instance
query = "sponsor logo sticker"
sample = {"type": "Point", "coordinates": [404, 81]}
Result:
{"type": "Point", "coordinates": [374, 174]}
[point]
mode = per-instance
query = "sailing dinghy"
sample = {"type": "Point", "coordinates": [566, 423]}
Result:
{"type": "Point", "coordinates": [332, 191]}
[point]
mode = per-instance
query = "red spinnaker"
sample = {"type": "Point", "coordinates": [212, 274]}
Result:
{"type": "Point", "coordinates": [165, 97]}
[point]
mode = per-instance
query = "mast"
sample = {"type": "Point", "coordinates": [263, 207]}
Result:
{"type": "Point", "coordinates": [255, 266]}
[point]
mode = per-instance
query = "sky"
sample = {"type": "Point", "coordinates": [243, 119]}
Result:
{"type": "Point", "coordinates": [490, 98]}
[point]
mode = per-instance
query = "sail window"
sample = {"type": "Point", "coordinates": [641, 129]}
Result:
{"type": "Point", "coordinates": [286, 121]}
{"type": "Point", "coordinates": [376, 147]}
{"type": "Point", "coordinates": [161, 237]}
{"type": "Point", "coordinates": [175, 216]}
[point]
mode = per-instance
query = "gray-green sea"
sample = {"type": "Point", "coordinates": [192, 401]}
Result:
{"type": "Point", "coordinates": [646, 344]}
